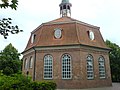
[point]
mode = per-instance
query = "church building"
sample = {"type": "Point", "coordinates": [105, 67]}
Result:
{"type": "Point", "coordinates": [70, 52]}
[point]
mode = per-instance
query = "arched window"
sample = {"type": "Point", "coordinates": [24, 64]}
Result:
{"type": "Point", "coordinates": [90, 72]}
{"type": "Point", "coordinates": [25, 64]}
{"type": "Point", "coordinates": [66, 67]}
{"type": "Point", "coordinates": [68, 7]}
{"type": "Point", "coordinates": [60, 8]}
{"type": "Point", "coordinates": [31, 62]}
{"type": "Point", "coordinates": [48, 67]}
{"type": "Point", "coordinates": [64, 7]}
{"type": "Point", "coordinates": [101, 62]}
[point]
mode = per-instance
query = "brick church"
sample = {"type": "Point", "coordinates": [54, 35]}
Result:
{"type": "Point", "coordinates": [70, 52]}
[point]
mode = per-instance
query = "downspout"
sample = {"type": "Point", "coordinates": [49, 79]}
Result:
{"type": "Point", "coordinates": [34, 69]}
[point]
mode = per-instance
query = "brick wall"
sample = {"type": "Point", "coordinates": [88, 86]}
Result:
{"type": "Point", "coordinates": [79, 73]}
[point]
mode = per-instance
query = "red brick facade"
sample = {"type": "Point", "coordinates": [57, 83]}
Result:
{"type": "Point", "coordinates": [79, 72]}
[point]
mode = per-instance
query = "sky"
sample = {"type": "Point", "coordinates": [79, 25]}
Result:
{"type": "Point", "coordinates": [32, 13]}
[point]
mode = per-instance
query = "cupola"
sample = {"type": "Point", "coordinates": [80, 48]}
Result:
{"type": "Point", "coordinates": [65, 8]}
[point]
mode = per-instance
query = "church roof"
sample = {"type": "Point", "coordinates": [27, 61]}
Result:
{"type": "Point", "coordinates": [74, 32]}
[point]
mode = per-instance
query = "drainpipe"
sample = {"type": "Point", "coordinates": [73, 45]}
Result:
{"type": "Point", "coordinates": [34, 64]}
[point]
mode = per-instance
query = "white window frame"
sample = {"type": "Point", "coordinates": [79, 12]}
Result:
{"type": "Point", "coordinates": [102, 72]}
{"type": "Point", "coordinates": [48, 67]}
{"type": "Point", "coordinates": [31, 62]}
{"type": "Point", "coordinates": [90, 67]}
{"type": "Point", "coordinates": [66, 69]}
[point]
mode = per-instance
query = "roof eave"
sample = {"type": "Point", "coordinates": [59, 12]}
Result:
{"type": "Point", "coordinates": [102, 48]}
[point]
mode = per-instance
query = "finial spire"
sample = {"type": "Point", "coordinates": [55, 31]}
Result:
{"type": "Point", "coordinates": [65, 8]}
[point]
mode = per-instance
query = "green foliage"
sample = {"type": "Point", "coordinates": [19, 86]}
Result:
{"type": "Point", "coordinates": [10, 62]}
{"type": "Point", "coordinates": [6, 27]}
{"type": "Point", "coordinates": [6, 3]}
{"type": "Point", "coordinates": [14, 82]}
{"type": "Point", "coordinates": [20, 82]}
{"type": "Point", "coordinates": [114, 60]}
{"type": "Point", "coordinates": [43, 85]}
{"type": "Point", "coordinates": [8, 71]}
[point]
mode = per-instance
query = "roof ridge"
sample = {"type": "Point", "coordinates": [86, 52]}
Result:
{"type": "Point", "coordinates": [77, 34]}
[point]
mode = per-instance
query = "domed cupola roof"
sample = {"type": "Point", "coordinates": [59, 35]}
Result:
{"type": "Point", "coordinates": [65, 1]}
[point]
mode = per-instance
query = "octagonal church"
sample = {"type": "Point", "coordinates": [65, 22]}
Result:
{"type": "Point", "coordinates": [70, 52]}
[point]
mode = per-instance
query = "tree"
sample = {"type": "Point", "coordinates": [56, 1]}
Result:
{"type": "Point", "coordinates": [6, 26]}
{"type": "Point", "coordinates": [10, 62]}
{"type": "Point", "coordinates": [114, 60]}
{"type": "Point", "coordinates": [6, 4]}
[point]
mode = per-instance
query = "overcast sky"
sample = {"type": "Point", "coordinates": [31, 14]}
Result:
{"type": "Point", "coordinates": [31, 13]}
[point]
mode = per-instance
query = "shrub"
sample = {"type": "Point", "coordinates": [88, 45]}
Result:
{"type": "Point", "coordinates": [43, 85]}
{"type": "Point", "coordinates": [13, 82]}
{"type": "Point", "coordinates": [21, 82]}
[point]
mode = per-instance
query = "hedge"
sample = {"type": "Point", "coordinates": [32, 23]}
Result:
{"type": "Point", "coordinates": [20, 82]}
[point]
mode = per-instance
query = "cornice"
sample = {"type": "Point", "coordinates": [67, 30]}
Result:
{"type": "Point", "coordinates": [61, 48]}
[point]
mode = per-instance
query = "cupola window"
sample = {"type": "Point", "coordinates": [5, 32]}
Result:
{"type": "Point", "coordinates": [68, 7]}
{"type": "Point", "coordinates": [64, 7]}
